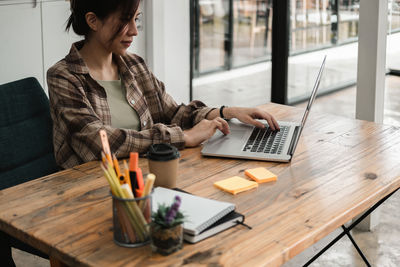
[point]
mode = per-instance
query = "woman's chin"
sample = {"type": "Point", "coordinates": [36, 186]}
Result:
{"type": "Point", "coordinates": [120, 52]}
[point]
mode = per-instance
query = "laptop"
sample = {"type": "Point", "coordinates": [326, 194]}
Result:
{"type": "Point", "coordinates": [249, 142]}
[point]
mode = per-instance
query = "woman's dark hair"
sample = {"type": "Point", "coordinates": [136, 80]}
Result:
{"type": "Point", "coordinates": [102, 9]}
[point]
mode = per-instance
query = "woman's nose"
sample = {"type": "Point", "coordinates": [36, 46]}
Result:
{"type": "Point", "coordinates": [132, 28]}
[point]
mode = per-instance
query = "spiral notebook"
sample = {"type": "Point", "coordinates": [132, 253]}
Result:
{"type": "Point", "coordinates": [200, 212]}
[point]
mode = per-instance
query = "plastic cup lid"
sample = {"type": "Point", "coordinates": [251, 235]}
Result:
{"type": "Point", "coordinates": [162, 152]}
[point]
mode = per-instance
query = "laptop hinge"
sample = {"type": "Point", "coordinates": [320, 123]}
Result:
{"type": "Point", "coordinates": [294, 141]}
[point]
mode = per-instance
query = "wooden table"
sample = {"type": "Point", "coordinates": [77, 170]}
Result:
{"type": "Point", "coordinates": [340, 169]}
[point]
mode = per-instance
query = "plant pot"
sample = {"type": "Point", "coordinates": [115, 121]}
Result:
{"type": "Point", "coordinates": [166, 240]}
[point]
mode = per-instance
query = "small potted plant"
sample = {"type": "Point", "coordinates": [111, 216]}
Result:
{"type": "Point", "coordinates": [167, 228]}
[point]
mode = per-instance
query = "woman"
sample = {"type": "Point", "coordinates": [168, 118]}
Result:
{"type": "Point", "coordinates": [98, 85]}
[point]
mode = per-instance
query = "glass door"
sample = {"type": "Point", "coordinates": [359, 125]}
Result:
{"type": "Point", "coordinates": [211, 36]}
{"type": "Point", "coordinates": [393, 40]}
{"type": "Point", "coordinates": [318, 28]}
{"type": "Point", "coordinates": [392, 115]}
{"type": "Point", "coordinates": [252, 31]}
{"type": "Point", "coordinates": [230, 34]}
{"type": "Point", "coordinates": [231, 41]}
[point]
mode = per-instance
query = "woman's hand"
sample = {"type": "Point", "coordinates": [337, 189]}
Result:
{"type": "Point", "coordinates": [249, 116]}
{"type": "Point", "coordinates": [204, 130]}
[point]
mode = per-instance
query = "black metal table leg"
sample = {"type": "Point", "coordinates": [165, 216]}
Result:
{"type": "Point", "coordinates": [356, 246]}
{"type": "Point", "coordinates": [346, 231]}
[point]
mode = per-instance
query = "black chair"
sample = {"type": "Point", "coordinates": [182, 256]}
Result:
{"type": "Point", "coordinates": [26, 148]}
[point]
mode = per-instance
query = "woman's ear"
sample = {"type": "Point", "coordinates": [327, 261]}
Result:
{"type": "Point", "coordinates": [92, 21]}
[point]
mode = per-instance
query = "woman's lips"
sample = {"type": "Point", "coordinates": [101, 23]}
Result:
{"type": "Point", "coordinates": [127, 43]}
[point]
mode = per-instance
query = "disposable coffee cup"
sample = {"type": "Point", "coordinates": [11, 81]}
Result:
{"type": "Point", "coordinates": [163, 162]}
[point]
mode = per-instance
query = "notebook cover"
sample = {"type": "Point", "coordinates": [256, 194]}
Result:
{"type": "Point", "coordinates": [200, 212]}
{"type": "Point", "coordinates": [221, 225]}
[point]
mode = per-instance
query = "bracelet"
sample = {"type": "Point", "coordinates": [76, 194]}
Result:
{"type": "Point", "coordinates": [221, 114]}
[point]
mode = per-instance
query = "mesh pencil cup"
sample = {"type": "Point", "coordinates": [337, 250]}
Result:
{"type": "Point", "coordinates": [131, 219]}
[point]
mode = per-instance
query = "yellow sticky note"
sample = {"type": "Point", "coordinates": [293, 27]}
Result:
{"type": "Point", "coordinates": [235, 185]}
{"type": "Point", "coordinates": [261, 175]}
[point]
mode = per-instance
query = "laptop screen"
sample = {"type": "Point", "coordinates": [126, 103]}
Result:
{"type": "Point", "coordinates": [313, 94]}
{"type": "Point", "coordinates": [308, 108]}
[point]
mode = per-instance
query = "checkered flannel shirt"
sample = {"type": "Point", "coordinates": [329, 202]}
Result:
{"type": "Point", "coordinates": [79, 109]}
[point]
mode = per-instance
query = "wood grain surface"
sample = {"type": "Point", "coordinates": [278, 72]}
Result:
{"type": "Point", "coordinates": [341, 168]}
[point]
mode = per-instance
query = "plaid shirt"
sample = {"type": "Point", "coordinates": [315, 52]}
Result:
{"type": "Point", "coordinates": [79, 109]}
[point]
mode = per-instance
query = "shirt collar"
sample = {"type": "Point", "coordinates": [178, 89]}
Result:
{"type": "Point", "coordinates": [74, 59]}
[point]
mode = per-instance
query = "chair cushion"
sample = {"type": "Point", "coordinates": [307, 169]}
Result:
{"type": "Point", "coordinates": [25, 133]}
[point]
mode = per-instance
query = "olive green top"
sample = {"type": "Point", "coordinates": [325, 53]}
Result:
{"type": "Point", "coordinates": [122, 114]}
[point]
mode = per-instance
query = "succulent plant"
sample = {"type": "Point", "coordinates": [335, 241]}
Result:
{"type": "Point", "coordinates": [168, 216]}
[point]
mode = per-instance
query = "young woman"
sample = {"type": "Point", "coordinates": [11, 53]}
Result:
{"type": "Point", "coordinates": [98, 85]}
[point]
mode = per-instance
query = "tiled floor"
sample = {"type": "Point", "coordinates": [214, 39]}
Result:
{"type": "Point", "coordinates": [24, 259]}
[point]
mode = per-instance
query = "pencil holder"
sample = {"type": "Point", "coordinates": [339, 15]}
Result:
{"type": "Point", "coordinates": [131, 219]}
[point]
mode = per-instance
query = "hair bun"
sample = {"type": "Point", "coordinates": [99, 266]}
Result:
{"type": "Point", "coordinates": [102, 8]}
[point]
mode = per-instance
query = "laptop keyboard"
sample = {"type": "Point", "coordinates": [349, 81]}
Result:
{"type": "Point", "coordinates": [267, 141]}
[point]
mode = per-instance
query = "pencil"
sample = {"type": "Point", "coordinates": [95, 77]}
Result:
{"type": "Point", "coordinates": [116, 165]}
{"type": "Point", "coordinates": [149, 184]}
{"type": "Point", "coordinates": [103, 157]}
{"type": "Point", "coordinates": [106, 145]}
{"type": "Point", "coordinates": [126, 172]}
{"type": "Point", "coordinates": [147, 189]}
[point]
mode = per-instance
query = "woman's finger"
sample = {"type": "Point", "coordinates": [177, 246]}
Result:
{"type": "Point", "coordinates": [254, 122]}
{"type": "Point", "coordinates": [217, 124]}
{"type": "Point", "coordinates": [275, 123]}
{"type": "Point", "coordinates": [270, 123]}
{"type": "Point", "coordinates": [225, 126]}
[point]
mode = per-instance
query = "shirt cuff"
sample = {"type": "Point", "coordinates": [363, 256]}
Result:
{"type": "Point", "coordinates": [202, 114]}
{"type": "Point", "coordinates": [177, 137]}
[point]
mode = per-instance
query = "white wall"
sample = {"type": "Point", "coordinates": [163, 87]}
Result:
{"type": "Point", "coordinates": [20, 42]}
{"type": "Point", "coordinates": [177, 49]}
{"type": "Point", "coordinates": [56, 41]}
{"type": "Point", "coordinates": [168, 44]}
{"type": "Point", "coordinates": [33, 38]}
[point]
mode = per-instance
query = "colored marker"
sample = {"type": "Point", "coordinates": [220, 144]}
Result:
{"type": "Point", "coordinates": [133, 166]}
{"type": "Point", "coordinates": [136, 174]}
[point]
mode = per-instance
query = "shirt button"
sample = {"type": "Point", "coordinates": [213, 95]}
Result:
{"type": "Point", "coordinates": [144, 123]}
{"type": "Point", "coordinates": [133, 102]}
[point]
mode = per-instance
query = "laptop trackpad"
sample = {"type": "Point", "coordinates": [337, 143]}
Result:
{"type": "Point", "coordinates": [220, 141]}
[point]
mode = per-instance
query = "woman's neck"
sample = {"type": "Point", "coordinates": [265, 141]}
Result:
{"type": "Point", "coordinates": [99, 61]}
